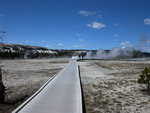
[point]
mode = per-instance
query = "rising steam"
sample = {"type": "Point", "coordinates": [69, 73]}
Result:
{"type": "Point", "coordinates": [114, 53]}
{"type": "Point", "coordinates": [124, 52]}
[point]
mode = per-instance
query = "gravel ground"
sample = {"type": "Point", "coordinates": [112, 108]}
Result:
{"type": "Point", "coordinates": [22, 78]}
{"type": "Point", "coordinates": [110, 86]}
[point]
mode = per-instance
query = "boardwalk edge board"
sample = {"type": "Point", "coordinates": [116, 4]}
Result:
{"type": "Point", "coordinates": [83, 102]}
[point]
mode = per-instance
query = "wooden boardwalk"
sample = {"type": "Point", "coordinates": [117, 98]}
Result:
{"type": "Point", "coordinates": [62, 94]}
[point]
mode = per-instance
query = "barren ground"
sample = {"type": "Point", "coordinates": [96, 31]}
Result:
{"type": "Point", "coordinates": [111, 87]}
{"type": "Point", "coordinates": [24, 77]}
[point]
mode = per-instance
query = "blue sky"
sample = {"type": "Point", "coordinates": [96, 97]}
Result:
{"type": "Point", "coordinates": [76, 24]}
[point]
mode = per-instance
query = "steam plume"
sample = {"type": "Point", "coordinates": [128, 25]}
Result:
{"type": "Point", "coordinates": [128, 51]}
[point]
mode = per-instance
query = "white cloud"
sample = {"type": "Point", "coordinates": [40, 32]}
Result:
{"type": "Point", "coordinates": [86, 13]}
{"type": "Point", "coordinates": [78, 46]}
{"type": "Point", "coordinates": [96, 25]}
{"type": "Point", "coordinates": [81, 40]}
{"type": "Point", "coordinates": [77, 34]}
{"type": "Point", "coordinates": [9, 42]}
{"type": "Point", "coordinates": [147, 21]}
{"type": "Point", "coordinates": [125, 43]}
{"type": "Point", "coordinates": [48, 46]}
{"type": "Point", "coordinates": [115, 40]}
{"type": "Point", "coordinates": [116, 35]}
{"type": "Point", "coordinates": [29, 41]}
{"type": "Point", "coordinates": [60, 44]}
{"type": "Point", "coordinates": [116, 24]}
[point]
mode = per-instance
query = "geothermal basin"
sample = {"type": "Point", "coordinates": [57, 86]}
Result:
{"type": "Point", "coordinates": [109, 86]}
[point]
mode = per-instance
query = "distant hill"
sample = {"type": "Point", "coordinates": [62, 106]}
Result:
{"type": "Point", "coordinates": [16, 51]}
{"type": "Point", "coordinates": [17, 47]}
{"type": "Point", "coordinates": [11, 51]}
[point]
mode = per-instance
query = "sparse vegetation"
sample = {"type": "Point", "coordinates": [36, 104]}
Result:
{"type": "Point", "coordinates": [144, 78]}
{"type": "Point", "coordinates": [110, 86]}
{"type": "Point", "coordinates": [82, 55]}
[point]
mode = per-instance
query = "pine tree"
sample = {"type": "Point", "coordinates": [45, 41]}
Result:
{"type": "Point", "coordinates": [144, 78]}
